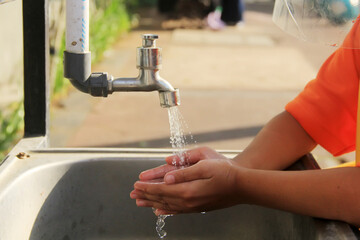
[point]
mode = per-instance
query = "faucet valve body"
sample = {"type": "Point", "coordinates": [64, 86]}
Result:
{"type": "Point", "coordinates": [149, 56]}
{"type": "Point", "coordinates": [149, 62]}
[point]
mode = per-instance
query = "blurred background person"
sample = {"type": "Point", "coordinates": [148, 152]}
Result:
{"type": "Point", "coordinates": [227, 12]}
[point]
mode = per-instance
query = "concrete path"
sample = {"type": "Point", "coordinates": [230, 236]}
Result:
{"type": "Point", "coordinates": [231, 83]}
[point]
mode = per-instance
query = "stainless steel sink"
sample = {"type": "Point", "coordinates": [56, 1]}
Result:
{"type": "Point", "coordinates": [84, 194]}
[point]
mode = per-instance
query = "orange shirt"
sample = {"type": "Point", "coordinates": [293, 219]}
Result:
{"type": "Point", "coordinates": [327, 107]}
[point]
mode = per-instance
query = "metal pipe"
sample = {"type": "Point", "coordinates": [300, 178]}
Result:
{"type": "Point", "coordinates": [77, 26]}
{"type": "Point", "coordinates": [36, 67]}
{"type": "Point", "coordinates": [77, 57]}
{"type": "Point", "coordinates": [148, 80]}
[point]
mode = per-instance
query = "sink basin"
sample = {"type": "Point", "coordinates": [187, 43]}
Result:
{"type": "Point", "coordinates": [84, 194]}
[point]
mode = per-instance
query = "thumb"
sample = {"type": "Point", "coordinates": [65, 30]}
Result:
{"type": "Point", "coordinates": [191, 156]}
{"type": "Point", "coordinates": [194, 172]}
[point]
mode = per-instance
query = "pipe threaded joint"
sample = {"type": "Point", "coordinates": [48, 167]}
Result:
{"type": "Point", "coordinates": [99, 84]}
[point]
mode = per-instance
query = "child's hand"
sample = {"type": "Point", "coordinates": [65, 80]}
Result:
{"type": "Point", "coordinates": [207, 185]}
{"type": "Point", "coordinates": [173, 162]}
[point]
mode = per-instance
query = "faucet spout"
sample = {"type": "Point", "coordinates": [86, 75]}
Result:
{"type": "Point", "coordinates": [147, 81]}
{"type": "Point", "coordinates": [169, 98]}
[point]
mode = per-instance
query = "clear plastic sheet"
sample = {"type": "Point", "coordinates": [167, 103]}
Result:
{"type": "Point", "coordinates": [320, 21]}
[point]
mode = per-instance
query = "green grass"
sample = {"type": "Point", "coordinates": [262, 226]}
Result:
{"type": "Point", "coordinates": [106, 26]}
{"type": "Point", "coordinates": [60, 84]}
{"type": "Point", "coordinates": [12, 125]}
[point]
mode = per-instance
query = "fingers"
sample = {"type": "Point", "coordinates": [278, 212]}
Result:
{"type": "Point", "coordinates": [137, 194]}
{"type": "Point", "coordinates": [160, 205]}
{"type": "Point", "coordinates": [171, 189]}
{"type": "Point", "coordinates": [178, 159]}
{"type": "Point", "coordinates": [192, 156]}
{"type": "Point", "coordinates": [187, 201]}
{"type": "Point", "coordinates": [165, 201]}
{"type": "Point", "coordinates": [194, 172]}
{"type": "Point", "coordinates": [158, 189]}
{"type": "Point", "coordinates": [156, 173]}
{"type": "Point", "coordinates": [189, 157]}
{"type": "Point", "coordinates": [159, 212]}
{"type": "Point", "coordinates": [161, 208]}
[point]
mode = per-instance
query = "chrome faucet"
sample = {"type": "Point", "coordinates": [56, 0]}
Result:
{"type": "Point", "coordinates": [149, 61]}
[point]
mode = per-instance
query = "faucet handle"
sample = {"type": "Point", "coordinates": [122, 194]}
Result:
{"type": "Point", "coordinates": [148, 56]}
{"type": "Point", "coordinates": [149, 40]}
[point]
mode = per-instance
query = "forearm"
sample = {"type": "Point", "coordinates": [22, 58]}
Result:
{"type": "Point", "coordinates": [281, 142]}
{"type": "Point", "coordinates": [330, 194]}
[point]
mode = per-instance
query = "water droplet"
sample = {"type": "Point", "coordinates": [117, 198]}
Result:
{"type": "Point", "coordinates": [162, 233]}
{"type": "Point", "coordinates": [160, 223]}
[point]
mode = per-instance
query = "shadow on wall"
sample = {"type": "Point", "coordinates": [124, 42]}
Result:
{"type": "Point", "coordinates": [207, 137]}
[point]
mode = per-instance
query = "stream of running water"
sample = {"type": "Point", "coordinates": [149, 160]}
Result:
{"type": "Point", "coordinates": [179, 140]}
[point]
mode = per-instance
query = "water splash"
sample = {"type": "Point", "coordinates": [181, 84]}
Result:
{"type": "Point", "coordinates": [179, 140]}
{"type": "Point", "coordinates": [160, 224]}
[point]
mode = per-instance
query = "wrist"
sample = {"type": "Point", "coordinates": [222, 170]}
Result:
{"type": "Point", "coordinates": [244, 160]}
{"type": "Point", "coordinates": [242, 177]}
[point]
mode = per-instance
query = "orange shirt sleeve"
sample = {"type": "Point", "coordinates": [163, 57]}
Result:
{"type": "Point", "coordinates": [327, 107]}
